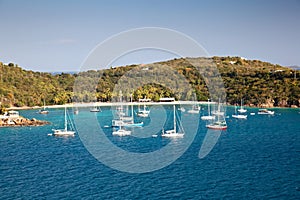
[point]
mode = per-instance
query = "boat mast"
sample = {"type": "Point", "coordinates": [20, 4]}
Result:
{"type": "Point", "coordinates": [219, 109]}
{"type": "Point", "coordinates": [208, 107]}
{"type": "Point", "coordinates": [235, 108]}
{"type": "Point", "coordinates": [131, 108]}
{"type": "Point", "coordinates": [66, 123]}
{"type": "Point", "coordinates": [174, 113]}
{"type": "Point", "coordinates": [241, 103]}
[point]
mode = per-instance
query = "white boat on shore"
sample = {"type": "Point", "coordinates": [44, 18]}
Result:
{"type": "Point", "coordinates": [264, 111]}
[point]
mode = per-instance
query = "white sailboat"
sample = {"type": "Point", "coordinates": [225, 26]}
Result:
{"type": "Point", "coordinates": [219, 123]}
{"type": "Point", "coordinates": [182, 109]}
{"type": "Point", "coordinates": [209, 116]}
{"type": "Point", "coordinates": [121, 132]}
{"type": "Point", "coordinates": [173, 132]}
{"type": "Point", "coordinates": [125, 121]}
{"type": "Point", "coordinates": [242, 110]}
{"type": "Point", "coordinates": [195, 109]}
{"type": "Point", "coordinates": [95, 109]}
{"type": "Point", "coordinates": [143, 112]}
{"type": "Point", "coordinates": [238, 116]}
{"type": "Point", "coordinates": [76, 111]}
{"type": "Point", "coordinates": [265, 112]}
{"type": "Point", "coordinates": [218, 112]}
{"type": "Point", "coordinates": [44, 111]}
{"type": "Point", "coordinates": [65, 131]}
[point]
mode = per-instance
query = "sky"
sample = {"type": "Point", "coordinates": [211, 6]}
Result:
{"type": "Point", "coordinates": [58, 35]}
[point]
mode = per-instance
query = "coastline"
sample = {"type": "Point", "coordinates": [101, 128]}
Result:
{"type": "Point", "coordinates": [107, 104]}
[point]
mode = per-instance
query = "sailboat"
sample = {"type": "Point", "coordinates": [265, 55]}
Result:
{"type": "Point", "coordinates": [144, 112]}
{"type": "Point", "coordinates": [182, 109]}
{"type": "Point", "coordinates": [242, 110]}
{"type": "Point", "coordinates": [65, 131]}
{"type": "Point", "coordinates": [195, 109]}
{"type": "Point", "coordinates": [209, 116]}
{"type": "Point", "coordinates": [238, 116]}
{"type": "Point", "coordinates": [121, 132]}
{"type": "Point", "coordinates": [43, 110]}
{"type": "Point", "coordinates": [220, 122]}
{"type": "Point", "coordinates": [76, 111]}
{"type": "Point", "coordinates": [173, 132]}
{"type": "Point", "coordinates": [95, 109]}
{"type": "Point", "coordinates": [264, 111]}
{"type": "Point", "coordinates": [218, 112]}
{"type": "Point", "coordinates": [123, 120]}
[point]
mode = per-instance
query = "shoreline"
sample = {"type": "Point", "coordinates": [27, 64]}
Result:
{"type": "Point", "coordinates": [105, 104]}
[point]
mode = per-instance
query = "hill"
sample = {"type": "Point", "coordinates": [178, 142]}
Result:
{"type": "Point", "coordinates": [258, 83]}
{"type": "Point", "coordinates": [19, 87]}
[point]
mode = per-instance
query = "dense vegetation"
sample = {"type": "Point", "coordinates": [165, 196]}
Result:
{"type": "Point", "coordinates": [258, 83]}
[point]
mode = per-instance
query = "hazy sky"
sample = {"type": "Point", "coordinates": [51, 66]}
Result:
{"type": "Point", "coordinates": [58, 35]}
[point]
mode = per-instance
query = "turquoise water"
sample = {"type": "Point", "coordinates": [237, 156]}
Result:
{"type": "Point", "coordinates": [257, 158]}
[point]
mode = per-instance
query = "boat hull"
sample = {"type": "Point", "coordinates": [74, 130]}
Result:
{"type": "Point", "coordinates": [44, 112]}
{"type": "Point", "coordinates": [208, 117]}
{"type": "Point", "coordinates": [242, 110]}
{"type": "Point", "coordinates": [240, 116]}
{"type": "Point", "coordinates": [214, 127]}
{"type": "Point", "coordinates": [121, 133]}
{"type": "Point", "coordinates": [143, 114]}
{"type": "Point", "coordinates": [265, 112]}
{"type": "Point", "coordinates": [173, 135]}
{"type": "Point", "coordinates": [63, 133]}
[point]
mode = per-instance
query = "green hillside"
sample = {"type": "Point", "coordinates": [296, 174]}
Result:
{"type": "Point", "coordinates": [19, 87]}
{"type": "Point", "coordinates": [258, 83]}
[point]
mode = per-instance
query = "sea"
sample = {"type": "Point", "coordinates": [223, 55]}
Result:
{"type": "Point", "coordinates": [256, 158]}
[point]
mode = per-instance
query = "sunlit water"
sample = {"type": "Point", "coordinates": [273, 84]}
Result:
{"type": "Point", "coordinates": [257, 158]}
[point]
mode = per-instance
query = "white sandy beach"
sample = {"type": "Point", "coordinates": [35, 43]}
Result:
{"type": "Point", "coordinates": [93, 104]}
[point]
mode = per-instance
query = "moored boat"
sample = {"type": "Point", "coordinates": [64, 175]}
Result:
{"type": "Point", "coordinates": [121, 132]}
{"type": "Point", "coordinates": [264, 111]}
{"type": "Point", "coordinates": [242, 110]}
{"type": "Point", "coordinates": [95, 109]}
{"type": "Point", "coordinates": [65, 131]}
{"type": "Point", "coordinates": [218, 125]}
{"type": "Point", "coordinates": [173, 133]}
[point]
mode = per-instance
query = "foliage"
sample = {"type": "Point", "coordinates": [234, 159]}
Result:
{"type": "Point", "coordinates": [254, 81]}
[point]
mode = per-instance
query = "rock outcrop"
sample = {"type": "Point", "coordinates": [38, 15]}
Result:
{"type": "Point", "coordinates": [21, 121]}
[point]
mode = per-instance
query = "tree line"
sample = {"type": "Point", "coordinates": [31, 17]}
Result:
{"type": "Point", "coordinates": [254, 81]}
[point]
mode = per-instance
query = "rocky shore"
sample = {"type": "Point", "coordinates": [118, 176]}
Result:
{"type": "Point", "coordinates": [21, 121]}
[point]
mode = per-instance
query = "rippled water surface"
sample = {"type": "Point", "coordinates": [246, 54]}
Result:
{"type": "Point", "coordinates": [257, 158]}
